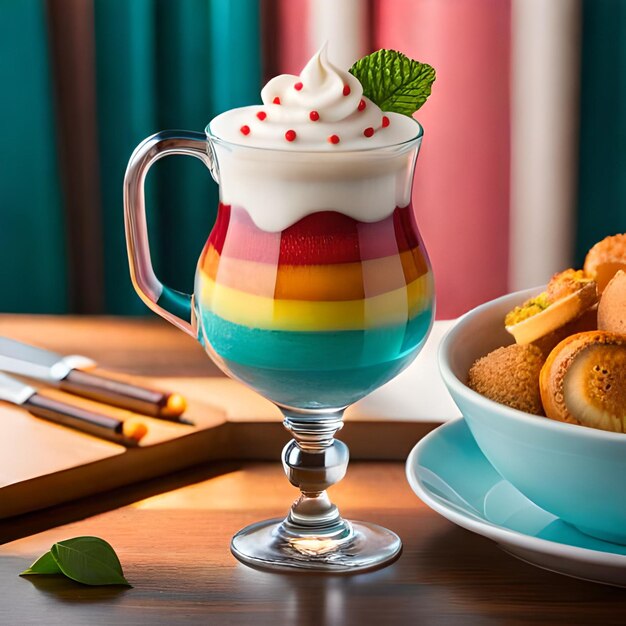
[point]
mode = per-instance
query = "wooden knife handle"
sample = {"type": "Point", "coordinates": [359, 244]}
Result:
{"type": "Point", "coordinates": [117, 393]}
{"type": "Point", "coordinates": [97, 424]}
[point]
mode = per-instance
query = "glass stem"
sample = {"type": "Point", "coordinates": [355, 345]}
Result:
{"type": "Point", "coordinates": [314, 461]}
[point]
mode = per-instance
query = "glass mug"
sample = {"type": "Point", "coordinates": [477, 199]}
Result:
{"type": "Point", "coordinates": [313, 313]}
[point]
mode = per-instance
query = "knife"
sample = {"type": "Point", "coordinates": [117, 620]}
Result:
{"type": "Point", "coordinates": [127, 432]}
{"type": "Point", "coordinates": [68, 373]}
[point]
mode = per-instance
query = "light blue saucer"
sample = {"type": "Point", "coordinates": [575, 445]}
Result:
{"type": "Point", "coordinates": [450, 474]}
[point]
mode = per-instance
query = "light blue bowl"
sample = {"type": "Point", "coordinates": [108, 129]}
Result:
{"type": "Point", "coordinates": [574, 472]}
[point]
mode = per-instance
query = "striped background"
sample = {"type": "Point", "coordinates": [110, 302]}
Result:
{"type": "Point", "coordinates": [520, 170]}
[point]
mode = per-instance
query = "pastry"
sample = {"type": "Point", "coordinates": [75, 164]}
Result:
{"type": "Point", "coordinates": [510, 376]}
{"type": "Point", "coordinates": [583, 381]}
{"type": "Point", "coordinates": [605, 259]}
{"type": "Point", "coordinates": [612, 307]}
{"type": "Point", "coordinates": [584, 322]}
{"type": "Point", "coordinates": [568, 295]}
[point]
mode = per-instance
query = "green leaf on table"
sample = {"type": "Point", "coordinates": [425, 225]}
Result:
{"type": "Point", "coordinates": [89, 560]}
{"type": "Point", "coordinates": [45, 564]}
{"type": "Point", "coordinates": [393, 81]}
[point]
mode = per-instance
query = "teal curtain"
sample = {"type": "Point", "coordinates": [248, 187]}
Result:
{"type": "Point", "coordinates": [167, 65]}
{"type": "Point", "coordinates": [602, 179]}
{"type": "Point", "coordinates": [33, 264]}
{"type": "Point", "coordinates": [127, 112]}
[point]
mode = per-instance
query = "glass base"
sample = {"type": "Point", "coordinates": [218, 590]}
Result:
{"type": "Point", "coordinates": [355, 547]}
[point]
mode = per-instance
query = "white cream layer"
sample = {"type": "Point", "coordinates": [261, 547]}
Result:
{"type": "Point", "coordinates": [278, 188]}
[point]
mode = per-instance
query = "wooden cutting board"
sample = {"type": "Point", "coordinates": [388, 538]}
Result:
{"type": "Point", "coordinates": [43, 464]}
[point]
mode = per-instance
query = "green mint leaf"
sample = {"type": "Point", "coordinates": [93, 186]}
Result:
{"type": "Point", "coordinates": [89, 560]}
{"type": "Point", "coordinates": [45, 564]}
{"type": "Point", "coordinates": [393, 81]}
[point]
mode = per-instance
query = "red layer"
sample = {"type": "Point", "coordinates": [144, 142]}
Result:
{"type": "Point", "coordinates": [321, 238]}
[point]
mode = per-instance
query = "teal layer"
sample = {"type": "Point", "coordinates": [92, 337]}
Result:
{"type": "Point", "coordinates": [324, 369]}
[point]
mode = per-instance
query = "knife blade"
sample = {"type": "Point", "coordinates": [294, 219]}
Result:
{"type": "Point", "coordinates": [21, 358]}
{"type": "Point", "coordinates": [68, 372]}
{"type": "Point", "coordinates": [15, 391]}
{"type": "Point", "coordinates": [126, 432]}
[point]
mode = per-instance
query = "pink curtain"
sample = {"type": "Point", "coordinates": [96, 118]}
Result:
{"type": "Point", "coordinates": [461, 191]}
{"type": "Point", "coordinates": [294, 29]}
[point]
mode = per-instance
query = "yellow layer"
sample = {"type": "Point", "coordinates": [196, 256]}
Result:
{"type": "Point", "coordinates": [392, 307]}
{"type": "Point", "coordinates": [339, 281]}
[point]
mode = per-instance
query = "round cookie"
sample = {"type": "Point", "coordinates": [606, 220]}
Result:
{"type": "Point", "coordinates": [583, 381]}
{"type": "Point", "coordinates": [510, 376]}
{"type": "Point", "coordinates": [612, 307]}
{"type": "Point", "coordinates": [605, 259]}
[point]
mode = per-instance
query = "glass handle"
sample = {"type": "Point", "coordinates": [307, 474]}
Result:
{"type": "Point", "coordinates": [170, 304]}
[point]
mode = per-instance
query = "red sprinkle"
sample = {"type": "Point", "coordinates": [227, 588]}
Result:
{"type": "Point", "coordinates": [361, 106]}
{"type": "Point", "coordinates": [385, 121]}
{"type": "Point", "coordinates": [276, 100]}
{"type": "Point", "coordinates": [333, 139]}
{"type": "Point", "coordinates": [368, 132]}
{"type": "Point", "coordinates": [297, 86]}
{"type": "Point", "coordinates": [346, 90]}
{"type": "Point", "coordinates": [245, 130]}
{"type": "Point", "coordinates": [314, 115]}
{"type": "Point", "coordinates": [290, 135]}
{"type": "Point", "coordinates": [261, 115]}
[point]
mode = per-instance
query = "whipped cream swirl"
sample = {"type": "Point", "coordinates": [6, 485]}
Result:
{"type": "Point", "coordinates": [322, 109]}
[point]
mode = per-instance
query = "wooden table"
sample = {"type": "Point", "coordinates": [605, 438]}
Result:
{"type": "Point", "coordinates": [172, 536]}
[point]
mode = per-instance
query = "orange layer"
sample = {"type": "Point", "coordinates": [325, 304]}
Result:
{"type": "Point", "coordinates": [340, 281]}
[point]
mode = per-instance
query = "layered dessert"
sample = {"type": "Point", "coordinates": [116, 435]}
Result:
{"type": "Point", "coordinates": [314, 287]}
